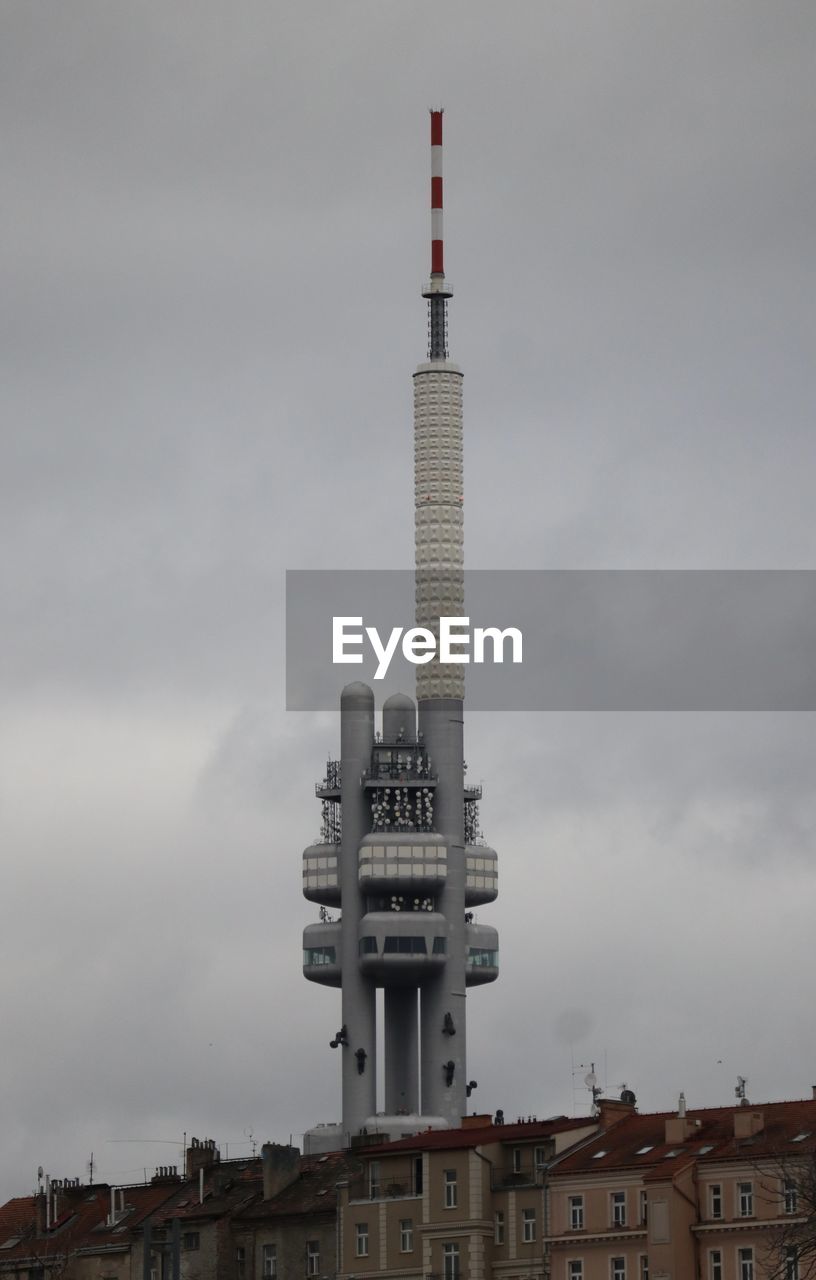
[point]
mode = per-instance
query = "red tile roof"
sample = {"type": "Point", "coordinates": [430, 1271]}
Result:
{"type": "Point", "coordinates": [454, 1139]}
{"type": "Point", "coordinates": [313, 1191]}
{"type": "Point", "coordinates": [81, 1209]}
{"type": "Point", "coordinates": [711, 1139]}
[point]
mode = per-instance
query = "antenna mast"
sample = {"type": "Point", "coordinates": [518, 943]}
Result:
{"type": "Point", "coordinates": [437, 291]}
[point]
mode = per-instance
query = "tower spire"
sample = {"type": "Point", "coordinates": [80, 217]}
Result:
{"type": "Point", "coordinates": [437, 291]}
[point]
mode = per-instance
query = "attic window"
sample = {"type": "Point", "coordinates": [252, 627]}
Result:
{"type": "Point", "coordinates": [800, 1137]}
{"type": "Point", "coordinates": [322, 1159]}
{"type": "Point", "coordinates": [641, 1151]}
{"type": "Point", "coordinates": [675, 1151]}
{"type": "Point", "coordinates": [704, 1150]}
{"type": "Point", "coordinates": [598, 1155]}
{"type": "Point", "coordinates": [11, 1242]}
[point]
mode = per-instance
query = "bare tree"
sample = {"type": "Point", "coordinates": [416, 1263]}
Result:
{"type": "Point", "coordinates": [790, 1183]}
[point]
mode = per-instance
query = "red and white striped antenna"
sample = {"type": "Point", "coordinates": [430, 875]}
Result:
{"type": "Point", "coordinates": [437, 291]}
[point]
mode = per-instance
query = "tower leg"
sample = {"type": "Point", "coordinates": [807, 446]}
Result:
{"type": "Point", "coordinates": [359, 993]}
{"type": "Point", "coordinates": [444, 1087]}
{"type": "Point", "coordinates": [401, 1051]}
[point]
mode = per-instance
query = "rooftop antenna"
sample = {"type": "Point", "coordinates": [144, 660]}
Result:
{"type": "Point", "coordinates": [739, 1092]}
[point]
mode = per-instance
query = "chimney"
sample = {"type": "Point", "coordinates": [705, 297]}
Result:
{"type": "Point", "coordinates": [681, 1126]}
{"type": "Point", "coordinates": [747, 1123]}
{"type": "Point", "coordinates": [281, 1165]}
{"type": "Point", "coordinates": [478, 1121]}
{"type": "Point", "coordinates": [39, 1212]}
{"type": "Point", "coordinates": [201, 1155]}
{"type": "Point", "coordinates": [813, 1092]}
{"type": "Point", "coordinates": [611, 1110]}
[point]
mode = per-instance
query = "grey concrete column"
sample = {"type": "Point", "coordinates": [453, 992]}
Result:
{"type": "Point", "coordinates": [401, 1050]}
{"type": "Point", "coordinates": [441, 722]}
{"type": "Point", "coordinates": [359, 1012]}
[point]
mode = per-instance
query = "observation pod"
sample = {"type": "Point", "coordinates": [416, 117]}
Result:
{"type": "Point", "coordinates": [321, 953]}
{"type": "Point", "coordinates": [481, 875]}
{"type": "Point", "coordinates": [482, 955]}
{"type": "Point", "coordinates": [402, 864]}
{"type": "Point", "coordinates": [321, 874]}
{"type": "Point", "coordinates": [401, 948]}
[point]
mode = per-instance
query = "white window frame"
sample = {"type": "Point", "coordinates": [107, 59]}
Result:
{"type": "Point", "coordinates": [361, 1239]}
{"type": "Point", "coordinates": [617, 1208]}
{"type": "Point", "coordinates": [528, 1226]}
{"type": "Point", "coordinates": [498, 1227]}
{"type": "Point", "coordinates": [450, 1262]}
{"type": "Point", "coordinates": [745, 1199]}
{"type": "Point", "coordinates": [715, 1264]}
{"type": "Point", "coordinates": [790, 1196]}
{"type": "Point", "coordinates": [617, 1268]}
{"type": "Point", "coordinates": [715, 1201]}
{"type": "Point", "coordinates": [269, 1260]}
{"type": "Point", "coordinates": [312, 1257]}
{"type": "Point", "coordinates": [575, 1207]}
{"type": "Point", "coordinates": [791, 1262]}
{"type": "Point", "coordinates": [451, 1189]}
{"type": "Point", "coordinates": [575, 1269]}
{"type": "Point", "coordinates": [406, 1235]}
{"type": "Point", "coordinates": [745, 1263]}
{"type": "Point", "coordinates": [643, 1262]}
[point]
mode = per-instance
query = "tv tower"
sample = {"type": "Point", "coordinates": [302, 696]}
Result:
{"type": "Point", "coordinates": [400, 850]}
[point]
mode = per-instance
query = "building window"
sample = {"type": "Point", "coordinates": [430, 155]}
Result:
{"type": "Point", "coordinates": [745, 1259]}
{"type": "Point", "coordinates": [528, 1225]}
{"type": "Point", "coordinates": [418, 1176]}
{"type": "Point", "coordinates": [269, 1258]}
{"type": "Point", "coordinates": [789, 1196]}
{"type": "Point", "coordinates": [373, 1179]}
{"type": "Point", "coordinates": [362, 1240]}
{"type": "Point", "coordinates": [575, 1270]}
{"type": "Point", "coordinates": [745, 1200]}
{"type": "Point", "coordinates": [450, 1256]}
{"type": "Point", "coordinates": [516, 1159]}
{"type": "Point", "coordinates": [618, 1200]}
{"type": "Point", "coordinates": [715, 1200]}
{"type": "Point", "coordinates": [498, 1227]}
{"type": "Point", "coordinates": [715, 1266]}
{"type": "Point", "coordinates": [618, 1269]}
{"type": "Point", "coordinates": [644, 1267]}
{"type": "Point", "coordinates": [240, 1262]}
{"type": "Point", "coordinates": [644, 1208]}
{"type": "Point", "coordinates": [406, 1235]}
{"type": "Point", "coordinates": [791, 1263]}
{"type": "Point", "coordinates": [576, 1213]}
{"type": "Point", "coordinates": [540, 1157]}
{"type": "Point", "coordinates": [451, 1198]}
{"type": "Point", "coordinates": [312, 1257]}
{"type": "Point", "coordinates": [191, 1240]}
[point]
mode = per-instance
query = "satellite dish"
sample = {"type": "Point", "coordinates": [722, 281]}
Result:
{"type": "Point", "coordinates": [590, 1080]}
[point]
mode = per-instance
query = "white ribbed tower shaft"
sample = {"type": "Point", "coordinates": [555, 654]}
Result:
{"type": "Point", "coordinates": [439, 583]}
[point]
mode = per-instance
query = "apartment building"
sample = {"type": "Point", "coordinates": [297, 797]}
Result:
{"type": "Point", "coordinates": [708, 1194]}
{"type": "Point", "coordinates": [711, 1193]}
{"type": "Point", "coordinates": [449, 1204]}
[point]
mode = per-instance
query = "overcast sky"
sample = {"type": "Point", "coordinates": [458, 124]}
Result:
{"type": "Point", "coordinates": [215, 234]}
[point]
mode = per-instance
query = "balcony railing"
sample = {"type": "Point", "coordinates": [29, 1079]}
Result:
{"type": "Point", "coordinates": [504, 1179]}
